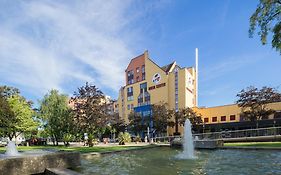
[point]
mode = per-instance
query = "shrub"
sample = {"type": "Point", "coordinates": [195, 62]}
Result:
{"type": "Point", "coordinates": [137, 138]}
{"type": "Point", "coordinates": [67, 138]}
{"type": "Point", "coordinates": [124, 138]}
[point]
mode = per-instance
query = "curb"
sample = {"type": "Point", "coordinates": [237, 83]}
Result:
{"type": "Point", "coordinates": [250, 148]}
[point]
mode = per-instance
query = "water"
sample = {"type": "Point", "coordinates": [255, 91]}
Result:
{"type": "Point", "coordinates": [188, 147]}
{"type": "Point", "coordinates": [11, 149]}
{"type": "Point", "coordinates": [162, 161]}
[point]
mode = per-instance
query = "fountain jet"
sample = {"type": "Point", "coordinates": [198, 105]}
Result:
{"type": "Point", "coordinates": [188, 147]}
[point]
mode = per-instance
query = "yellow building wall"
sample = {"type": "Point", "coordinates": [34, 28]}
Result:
{"type": "Point", "coordinates": [157, 95]}
{"type": "Point", "coordinates": [228, 110]}
{"type": "Point", "coordinates": [219, 111]}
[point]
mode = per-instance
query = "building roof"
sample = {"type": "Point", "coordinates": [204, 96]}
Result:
{"type": "Point", "coordinates": [167, 68]}
{"type": "Point", "coordinates": [132, 60]}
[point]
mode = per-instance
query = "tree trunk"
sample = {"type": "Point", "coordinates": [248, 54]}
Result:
{"type": "Point", "coordinates": [10, 137]}
{"type": "Point", "coordinates": [177, 126]}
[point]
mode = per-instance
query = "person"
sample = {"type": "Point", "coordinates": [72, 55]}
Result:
{"type": "Point", "coordinates": [145, 139]}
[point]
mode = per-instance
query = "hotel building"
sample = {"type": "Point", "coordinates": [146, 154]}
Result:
{"type": "Point", "coordinates": [148, 83]}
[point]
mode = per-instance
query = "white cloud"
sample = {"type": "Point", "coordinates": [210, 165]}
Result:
{"type": "Point", "coordinates": [46, 43]}
{"type": "Point", "coordinates": [229, 65]}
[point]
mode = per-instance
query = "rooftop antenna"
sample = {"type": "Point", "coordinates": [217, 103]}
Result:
{"type": "Point", "coordinates": [196, 74]}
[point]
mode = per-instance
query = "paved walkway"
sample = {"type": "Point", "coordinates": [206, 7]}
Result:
{"type": "Point", "coordinates": [81, 144]}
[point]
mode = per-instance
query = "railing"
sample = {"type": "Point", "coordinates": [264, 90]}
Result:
{"type": "Point", "coordinates": [260, 132]}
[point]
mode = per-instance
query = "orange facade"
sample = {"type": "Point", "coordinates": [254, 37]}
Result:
{"type": "Point", "coordinates": [135, 71]}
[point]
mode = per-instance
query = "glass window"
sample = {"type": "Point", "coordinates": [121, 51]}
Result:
{"type": "Point", "coordinates": [130, 77]}
{"type": "Point", "coordinates": [130, 94]}
{"type": "Point", "coordinates": [232, 117]}
{"type": "Point", "coordinates": [128, 107]}
{"type": "Point", "coordinates": [143, 86]}
{"type": "Point", "coordinates": [143, 76]}
{"type": "Point", "coordinates": [142, 68]}
{"type": "Point", "coordinates": [223, 118]}
{"type": "Point", "coordinates": [214, 119]}
{"type": "Point", "coordinates": [206, 120]}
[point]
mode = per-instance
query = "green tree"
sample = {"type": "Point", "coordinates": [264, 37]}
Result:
{"type": "Point", "coordinates": [137, 123]}
{"type": "Point", "coordinates": [90, 109]}
{"type": "Point", "coordinates": [254, 102]}
{"type": "Point", "coordinates": [268, 18]}
{"type": "Point", "coordinates": [183, 114]}
{"type": "Point", "coordinates": [7, 91]}
{"type": "Point", "coordinates": [56, 115]}
{"type": "Point", "coordinates": [7, 117]}
{"type": "Point", "coordinates": [161, 117]}
{"type": "Point", "coordinates": [23, 121]}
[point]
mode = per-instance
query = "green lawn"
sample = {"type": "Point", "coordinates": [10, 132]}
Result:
{"type": "Point", "coordinates": [99, 149]}
{"type": "Point", "coordinates": [256, 144]}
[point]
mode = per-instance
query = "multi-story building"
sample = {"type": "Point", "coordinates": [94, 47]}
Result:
{"type": "Point", "coordinates": [148, 83]}
{"type": "Point", "coordinates": [229, 117]}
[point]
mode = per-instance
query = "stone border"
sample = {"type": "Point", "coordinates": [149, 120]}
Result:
{"type": "Point", "coordinates": [250, 148]}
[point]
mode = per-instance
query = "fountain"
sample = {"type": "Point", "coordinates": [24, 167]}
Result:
{"type": "Point", "coordinates": [35, 161]}
{"type": "Point", "coordinates": [11, 149]}
{"type": "Point", "coordinates": [188, 147]}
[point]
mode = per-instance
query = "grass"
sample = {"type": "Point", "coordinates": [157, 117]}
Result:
{"type": "Point", "coordinates": [99, 149]}
{"type": "Point", "coordinates": [255, 144]}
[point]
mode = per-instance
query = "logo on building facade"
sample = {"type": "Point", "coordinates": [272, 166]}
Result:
{"type": "Point", "coordinates": [156, 78]}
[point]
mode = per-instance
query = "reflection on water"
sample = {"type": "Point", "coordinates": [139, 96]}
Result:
{"type": "Point", "coordinates": [162, 161]}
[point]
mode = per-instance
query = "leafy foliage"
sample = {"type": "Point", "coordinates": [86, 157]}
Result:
{"type": "Point", "coordinates": [7, 91]}
{"type": "Point", "coordinates": [137, 139]}
{"type": "Point", "coordinates": [67, 138]}
{"type": "Point", "coordinates": [16, 114]}
{"type": "Point", "coordinates": [254, 101]}
{"type": "Point", "coordinates": [268, 18]}
{"type": "Point", "coordinates": [161, 117]}
{"type": "Point", "coordinates": [124, 138]}
{"type": "Point", "coordinates": [183, 114]}
{"type": "Point", "coordinates": [90, 110]}
{"type": "Point", "coordinates": [137, 123]}
{"type": "Point", "coordinates": [23, 114]}
{"type": "Point", "coordinates": [7, 117]}
{"type": "Point", "coordinates": [56, 115]}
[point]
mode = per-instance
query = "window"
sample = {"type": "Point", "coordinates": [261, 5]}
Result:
{"type": "Point", "coordinates": [128, 107]}
{"type": "Point", "coordinates": [223, 118]}
{"type": "Point", "coordinates": [130, 77]}
{"type": "Point", "coordinates": [147, 98]}
{"type": "Point", "coordinates": [142, 69]}
{"type": "Point", "coordinates": [214, 119]}
{"type": "Point", "coordinates": [140, 100]}
{"type": "Point", "coordinates": [143, 72]}
{"type": "Point", "coordinates": [143, 87]}
{"type": "Point", "coordinates": [130, 94]}
{"type": "Point", "coordinates": [137, 69]}
{"type": "Point", "coordinates": [277, 114]}
{"type": "Point", "coordinates": [132, 106]}
{"type": "Point", "coordinates": [232, 117]}
{"type": "Point", "coordinates": [144, 97]}
{"type": "Point", "coordinates": [206, 120]}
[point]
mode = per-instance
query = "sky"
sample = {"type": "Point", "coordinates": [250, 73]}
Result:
{"type": "Point", "coordinates": [61, 44]}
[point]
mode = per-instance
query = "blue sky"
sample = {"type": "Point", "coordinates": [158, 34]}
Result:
{"type": "Point", "coordinates": [61, 44]}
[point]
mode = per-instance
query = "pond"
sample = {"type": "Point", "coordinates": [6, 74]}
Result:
{"type": "Point", "coordinates": [163, 161]}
